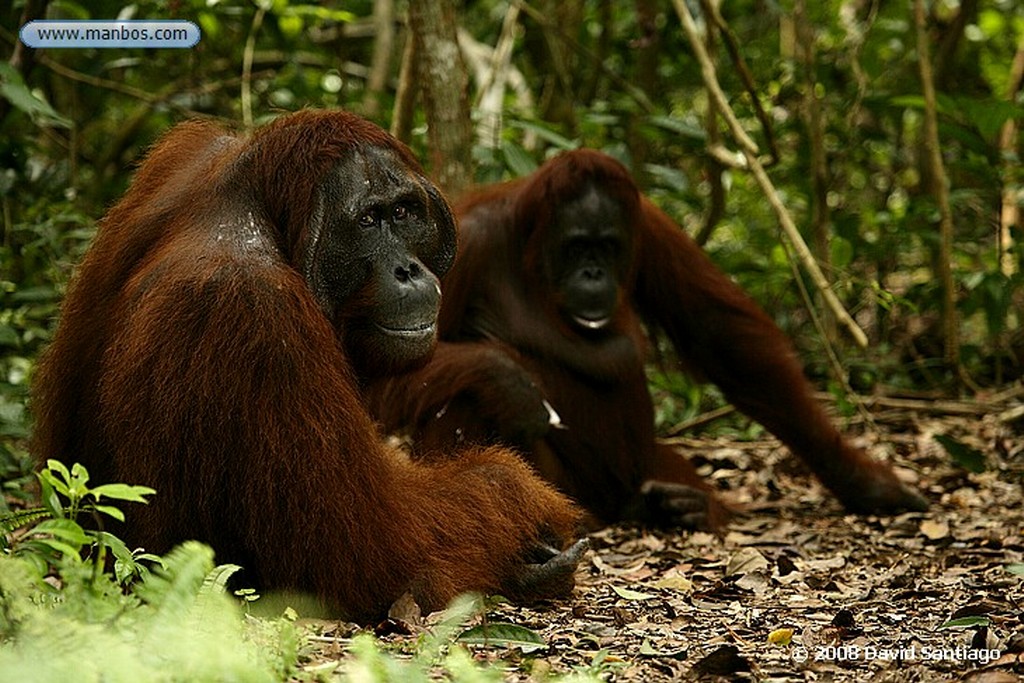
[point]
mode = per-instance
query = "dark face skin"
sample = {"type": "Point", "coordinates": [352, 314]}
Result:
{"type": "Point", "coordinates": [379, 239]}
{"type": "Point", "coordinates": [587, 259]}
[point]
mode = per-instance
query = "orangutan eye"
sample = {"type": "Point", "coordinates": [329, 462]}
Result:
{"type": "Point", "coordinates": [400, 213]}
{"type": "Point", "coordinates": [368, 220]}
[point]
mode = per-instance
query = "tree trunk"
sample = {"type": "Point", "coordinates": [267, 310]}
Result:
{"type": "Point", "coordinates": [383, 47]}
{"type": "Point", "coordinates": [815, 127]}
{"type": "Point", "coordinates": [443, 82]}
{"type": "Point", "coordinates": [940, 188]}
{"type": "Point", "coordinates": [556, 61]}
{"type": "Point", "coordinates": [405, 94]}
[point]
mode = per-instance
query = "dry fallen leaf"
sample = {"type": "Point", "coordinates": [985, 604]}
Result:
{"type": "Point", "coordinates": [934, 529]}
{"type": "Point", "coordinates": [628, 594]}
{"type": "Point", "coordinates": [842, 583]}
{"type": "Point", "coordinates": [674, 581]}
{"type": "Point", "coordinates": [745, 561]}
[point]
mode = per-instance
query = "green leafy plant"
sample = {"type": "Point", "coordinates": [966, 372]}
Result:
{"type": "Point", "coordinates": [64, 616]}
{"type": "Point", "coordinates": [58, 539]}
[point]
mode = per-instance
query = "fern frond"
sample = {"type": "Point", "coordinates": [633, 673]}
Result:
{"type": "Point", "coordinates": [217, 580]}
{"type": "Point", "coordinates": [11, 521]}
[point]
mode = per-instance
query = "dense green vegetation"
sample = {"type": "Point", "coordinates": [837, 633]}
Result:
{"type": "Point", "coordinates": [64, 616]}
{"type": "Point", "coordinates": [830, 91]}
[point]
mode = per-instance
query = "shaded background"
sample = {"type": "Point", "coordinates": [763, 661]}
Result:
{"type": "Point", "coordinates": [831, 92]}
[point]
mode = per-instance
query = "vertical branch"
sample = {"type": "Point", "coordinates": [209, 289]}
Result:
{"type": "Point", "coordinates": [647, 50]}
{"type": "Point", "coordinates": [707, 72]}
{"type": "Point", "coordinates": [856, 35]}
{"type": "Point", "coordinates": [812, 115]}
{"type": "Point", "coordinates": [491, 92]}
{"type": "Point", "coordinates": [591, 85]}
{"type": "Point", "coordinates": [950, 331]}
{"type": "Point", "coordinates": [712, 166]}
{"type": "Point", "coordinates": [247, 54]}
{"type": "Point", "coordinates": [713, 16]}
{"type": "Point", "coordinates": [405, 95]}
{"type": "Point", "coordinates": [383, 46]}
{"type": "Point", "coordinates": [1009, 194]}
{"type": "Point", "coordinates": [561, 91]}
{"type": "Point", "coordinates": [444, 85]}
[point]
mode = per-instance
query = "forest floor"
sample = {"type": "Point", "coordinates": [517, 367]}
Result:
{"type": "Point", "coordinates": [795, 589]}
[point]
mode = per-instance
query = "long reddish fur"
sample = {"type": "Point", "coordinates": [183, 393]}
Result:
{"type": "Point", "coordinates": [495, 297]}
{"type": "Point", "coordinates": [204, 368]}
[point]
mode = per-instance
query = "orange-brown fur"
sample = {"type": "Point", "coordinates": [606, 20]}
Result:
{"type": "Point", "coordinates": [203, 367]}
{"type": "Point", "coordinates": [496, 297]}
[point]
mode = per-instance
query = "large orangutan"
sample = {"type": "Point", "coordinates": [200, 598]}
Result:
{"type": "Point", "coordinates": [212, 346]}
{"type": "Point", "coordinates": [543, 348]}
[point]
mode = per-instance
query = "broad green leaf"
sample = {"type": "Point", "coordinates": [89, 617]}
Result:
{"type": "Point", "coordinates": [110, 511]}
{"type": "Point", "coordinates": [116, 545]}
{"type": "Point", "coordinates": [66, 529]}
{"type": "Point", "coordinates": [507, 635]}
{"type": "Point", "coordinates": [123, 492]}
{"type": "Point", "coordinates": [209, 24]}
{"type": "Point", "coordinates": [517, 159]}
{"type": "Point", "coordinates": [966, 621]}
{"type": "Point", "coordinates": [30, 295]}
{"type": "Point", "coordinates": [60, 468]}
{"type": "Point", "coordinates": [971, 459]}
{"type": "Point", "coordinates": [559, 141]}
{"type": "Point", "coordinates": [49, 489]}
{"type": "Point", "coordinates": [678, 126]}
{"type": "Point", "coordinates": [14, 90]}
{"type": "Point", "coordinates": [80, 474]}
{"type": "Point", "coordinates": [69, 552]}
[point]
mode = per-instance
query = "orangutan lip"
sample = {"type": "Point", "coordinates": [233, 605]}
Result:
{"type": "Point", "coordinates": [591, 324]}
{"type": "Point", "coordinates": [423, 330]}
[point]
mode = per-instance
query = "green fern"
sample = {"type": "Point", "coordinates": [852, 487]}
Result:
{"type": "Point", "coordinates": [172, 621]}
{"type": "Point", "coordinates": [15, 519]}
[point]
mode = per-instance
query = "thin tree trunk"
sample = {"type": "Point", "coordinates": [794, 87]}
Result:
{"type": "Point", "coordinates": [383, 47]}
{"type": "Point", "coordinates": [405, 95]}
{"type": "Point", "coordinates": [812, 115]}
{"type": "Point", "coordinates": [712, 166]}
{"type": "Point", "coordinates": [492, 80]}
{"type": "Point", "coordinates": [557, 62]}
{"type": "Point", "coordinates": [940, 187]}
{"type": "Point", "coordinates": [647, 50]}
{"type": "Point", "coordinates": [247, 56]}
{"type": "Point", "coordinates": [444, 84]}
